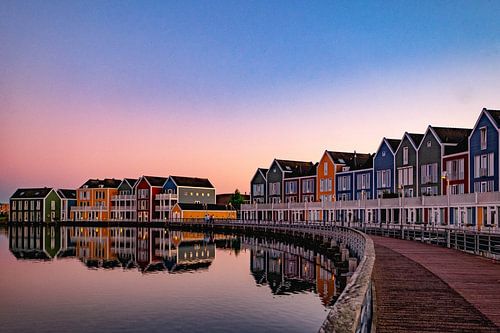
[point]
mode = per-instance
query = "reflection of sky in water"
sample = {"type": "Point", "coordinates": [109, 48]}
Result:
{"type": "Point", "coordinates": [182, 292]}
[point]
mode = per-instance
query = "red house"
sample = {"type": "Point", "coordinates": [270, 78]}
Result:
{"type": "Point", "coordinates": [146, 189]}
{"type": "Point", "coordinates": [455, 169]}
{"type": "Point", "coordinates": [300, 181]}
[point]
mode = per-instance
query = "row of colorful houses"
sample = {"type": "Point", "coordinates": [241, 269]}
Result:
{"type": "Point", "coordinates": [144, 199]}
{"type": "Point", "coordinates": [442, 159]}
{"type": "Point", "coordinates": [442, 176]}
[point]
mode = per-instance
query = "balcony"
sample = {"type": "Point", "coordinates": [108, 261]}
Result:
{"type": "Point", "coordinates": [129, 197]}
{"type": "Point", "coordinates": [483, 172]}
{"type": "Point", "coordinates": [163, 208]}
{"type": "Point", "coordinates": [166, 196]}
{"type": "Point", "coordinates": [89, 209]}
{"type": "Point", "coordinates": [123, 208]}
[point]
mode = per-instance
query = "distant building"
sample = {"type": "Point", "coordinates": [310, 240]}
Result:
{"type": "Point", "coordinates": [484, 152]}
{"type": "Point", "coordinates": [281, 170]}
{"type": "Point", "coordinates": [123, 204]}
{"type": "Point", "coordinates": [384, 166]}
{"type": "Point", "coordinates": [201, 211]}
{"type": "Point", "coordinates": [354, 180]}
{"type": "Point", "coordinates": [258, 186]}
{"type": "Point", "coordinates": [223, 199]}
{"type": "Point", "coordinates": [93, 200]}
{"type": "Point", "coordinates": [4, 208]}
{"type": "Point", "coordinates": [430, 156]}
{"type": "Point", "coordinates": [35, 205]}
{"type": "Point", "coordinates": [68, 200]}
{"type": "Point", "coordinates": [146, 189]}
{"type": "Point", "coordinates": [406, 159]}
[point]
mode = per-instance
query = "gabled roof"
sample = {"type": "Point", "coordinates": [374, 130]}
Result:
{"type": "Point", "coordinates": [66, 194]}
{"type": "Point", "coordinates": [449, 135]}
{"type": "Point", "coordinates": [354, 161]}
{"type": "Point", "coordinates": [263, 171]}
{"type": "Point", "coordinates": [197, 206]}
{"type": "Point", "coordinates": [416, 138]}
{"type": "Point", "coordinates": [495, 115]}
{"type": "Point", "coordinates": [294, 169]}
{"type": "Point", "coordinates": [102, 183]}
{"type": "Point", "coordinates": [131, 181]}
{"type": "Point", "coordinates": [31, 193]}
{"type": "Point", "coordinates": [393, 144]}
{"type": "Point", "coordinates": [191, 181]}
{"type": "Point", "coordinates": [155, 181]}
{"type": "Point", "coordinates": [462, 147]}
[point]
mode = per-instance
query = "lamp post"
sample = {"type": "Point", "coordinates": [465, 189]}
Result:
{"type": "Point", "coordinates": [445, 177]}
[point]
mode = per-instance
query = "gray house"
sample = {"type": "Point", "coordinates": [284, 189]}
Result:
{"type": "Point", "coordinates": [276, 175]}
{"type": "Point", "coordinates": [430, 154]}
{"type": "Point", "coordinates": [406, 161]}
{"type": "Point", "coordinates": [258, 186]}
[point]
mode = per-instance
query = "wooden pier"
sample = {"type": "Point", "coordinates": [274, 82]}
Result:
{"type": "Point", "coordinates": [427, 288]}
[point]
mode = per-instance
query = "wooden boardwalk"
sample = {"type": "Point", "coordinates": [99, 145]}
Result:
{"type": "Point", "coordinates": [426, 288]}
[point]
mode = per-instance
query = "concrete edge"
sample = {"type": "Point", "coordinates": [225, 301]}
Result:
{"type": "Point", "coordinates": [346, 313]}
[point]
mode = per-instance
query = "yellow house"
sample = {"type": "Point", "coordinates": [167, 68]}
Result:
{"type": "Point", "coordinates": [202, 211]}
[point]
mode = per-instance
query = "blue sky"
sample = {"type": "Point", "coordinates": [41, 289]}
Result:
{"type": "Point", "coordinates": [185, 67]}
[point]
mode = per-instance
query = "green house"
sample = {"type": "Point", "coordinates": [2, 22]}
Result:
{"type": "Point", "coordinates": [35, 205]}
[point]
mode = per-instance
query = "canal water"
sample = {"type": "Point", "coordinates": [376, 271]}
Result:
{"type": "Point", "coordinates": [73, 279]}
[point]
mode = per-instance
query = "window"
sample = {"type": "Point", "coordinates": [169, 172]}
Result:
{"type": "Point", "coordinates": [484, 165]}
{"type": "Point", "coordinates": [384, 178]}
{"type": "Point", "coordinates": [32, 205]}
{"type": "Point", "coordinates": [455, 169]}
{"type": "Point", "coordinates": [291, 187]}
{"type": "Point", "coordinates": [429, 173]}
{"type": "Point", "coordinates": [258, 189]}
{"type": "Point", "coordinates": [405, 176]}
{"type": "Point", "coordinates": [52, 205]}
{"type": "Point", "coordinates": [274, 188]}
{"type": "Point", "coordinates": [308, 185]}
{"type": "Point", "coordinates": [429, 144]}
{"type": "Point", "coordinates": [405, 155]}
{"type": "Point", "coordinates": [26, 205]}
{"type": "Point", "coordinates": [483, 138]}
{"type": "Point", "coordinates": [383, 153]}
{"type": "Point", "coordinates": [325, 168]}
{"type": "Point", "coordinates": [344, 183]}
{"type": "Point", "coordinates": [363, 181]}
{"type": "Point", "coordinates": [14, 205]}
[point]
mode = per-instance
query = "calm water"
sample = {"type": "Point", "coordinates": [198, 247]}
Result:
{"type": "Point", "coordinates": [72, 279]}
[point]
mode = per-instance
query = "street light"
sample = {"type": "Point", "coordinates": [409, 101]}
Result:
{"type": "Point", "coordinates": [444, 176]}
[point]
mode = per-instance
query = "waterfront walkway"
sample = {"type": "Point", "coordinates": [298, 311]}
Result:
{"type": "Point", "coordinates": [427, 288]}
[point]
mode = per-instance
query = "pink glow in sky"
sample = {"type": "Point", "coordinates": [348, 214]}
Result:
{"type": "Point", "coordinates": [124, 90]}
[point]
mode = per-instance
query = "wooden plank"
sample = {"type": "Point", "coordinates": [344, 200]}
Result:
{"type": "Point", "coordinates": [423, 287]}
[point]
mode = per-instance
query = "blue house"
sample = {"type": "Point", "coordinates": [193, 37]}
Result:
{"type": "Point", "coordinates": [484, 151]}
{"type": "Point", "coordinates": [355, 180]}
{"type": "Point", "coordinates": [383, 167]}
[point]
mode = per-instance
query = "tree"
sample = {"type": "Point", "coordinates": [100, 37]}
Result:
{"type": "Point", "coordinates": [236, 199]}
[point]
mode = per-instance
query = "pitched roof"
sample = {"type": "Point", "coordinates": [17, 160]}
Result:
{"type": "Point", "coordinates": [31, 193]}
{"type": "Point", "coordinates": [197, 206]}
{"type": "Point", "coordinates": [416, 138]}
{"type": "Point", "coordinates": [294, 169]}
{"type": "Point", "coordinates": [131, 181]}
{"type": "Point", "coordinates": [67, 194]}
{"type": "Point", "coordinates": [355, 161]}
{"type": "Point", "coordinates": [393, 143]}
{"type": "Point", "coordinates": [156, 181]}
{"type": "Point", "coordinates": [192, 181]}
{"type": "Point", "coordinates": [451, 135]}
{"type": "Point", "coordinates": [462, 147]}
{"type": "Point", "coordinates": [102, 183]}
{"type": "Point", "coordinates": [263, 171]}
{"type": "Point", "coordinates": [495, 115]}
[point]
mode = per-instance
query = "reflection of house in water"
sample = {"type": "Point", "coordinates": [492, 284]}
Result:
{"type": "Point", "coordinates": [34, 242]}
{"type": "Point", "coordinates": [289, 269]}
{"type": "Point", "coordinates": [146, 249]}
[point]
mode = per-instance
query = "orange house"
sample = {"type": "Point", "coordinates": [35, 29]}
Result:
{"type": "Point", "coordinates": [200, 211]}
{"type": "Point", "coordinates": [331, 163]}
{"type": "Point", "coordinates": [93, 200]}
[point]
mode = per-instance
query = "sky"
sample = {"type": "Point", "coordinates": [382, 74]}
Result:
{"type": "Point", "coordinates": [94, 89]}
